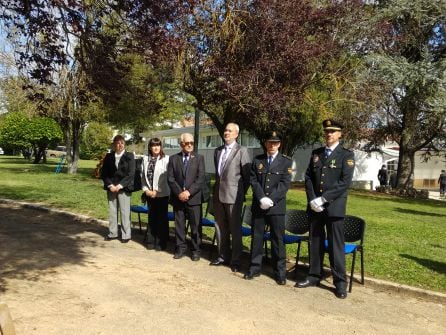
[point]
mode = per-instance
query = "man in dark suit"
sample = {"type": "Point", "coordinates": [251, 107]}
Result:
{"type": "Point", "coordinates": [185, 175]}
{"type": "Point", "coordinates": [118, 173]}
{"type": "Point", "coordinates": [232, 168]}
{"type": "Point", "coordinates": [327, 179]}
{"type": "Point", "coordinates": [270, 181]}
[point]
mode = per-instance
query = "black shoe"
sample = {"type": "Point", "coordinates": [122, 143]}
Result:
{"type": "Point", "coordinates": [235, 268]}
{"type": "Point", "coordinates": [280, 281]}
{"type": "Point", "coordinates": [218, 261]}
{"type": "Point", "coordinates": [341, 294]}
{"type": "Point", "coordinates": [178, 255]}
{"type": "Point", "coordinates": [125, 240]}
{"type": "Point", "coordinates": [109, 238]}
{"type": "Point", "coordinates": [195, 257]}
{"type": "Point", "coordinates": [250, 275]}
{"type": "Point", "coordinates": [309, 281]}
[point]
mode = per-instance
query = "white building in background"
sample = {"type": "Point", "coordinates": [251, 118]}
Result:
{"type": "Point", "coordinates": [366, 169]}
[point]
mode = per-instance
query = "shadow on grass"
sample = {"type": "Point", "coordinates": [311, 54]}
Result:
{"type": "Point", "coordinates": [35, 243]}
{"type": "Point", "coordinates": [415, 212]}
{"type": "Point", "coordinates": [439, 267]}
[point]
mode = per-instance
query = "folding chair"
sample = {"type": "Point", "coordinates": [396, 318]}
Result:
{"type": "Point", "coordinates": [296, 223]}
{"type": "Point", "coordinates": [354, 228]}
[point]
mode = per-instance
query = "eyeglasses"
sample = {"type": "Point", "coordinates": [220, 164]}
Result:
{"type": "Point", "coordinates": [188, 143]}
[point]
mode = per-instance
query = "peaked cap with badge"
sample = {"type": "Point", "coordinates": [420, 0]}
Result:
{"type": "Point", "coordinates": [330, 124]}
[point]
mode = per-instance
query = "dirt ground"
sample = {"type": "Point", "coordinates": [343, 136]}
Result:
{"type": "Point", "coordinates": [58, 276]}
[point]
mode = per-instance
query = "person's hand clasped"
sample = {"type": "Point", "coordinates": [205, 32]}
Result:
{"type": "Point", "coordinates": [266, 203]}
{"type": "Point", "coordinates": [184, 196]}
{"type": "Point", "coordinates": [317, 205]}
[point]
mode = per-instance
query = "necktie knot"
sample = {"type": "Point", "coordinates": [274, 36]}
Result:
{"type": "Point", "coordinates": [327, 152]}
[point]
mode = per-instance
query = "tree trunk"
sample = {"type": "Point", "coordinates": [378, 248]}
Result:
{"type": "Point", "coordinates": [72, 130]}
{"type": "Point", "coordinates": [407, 147]}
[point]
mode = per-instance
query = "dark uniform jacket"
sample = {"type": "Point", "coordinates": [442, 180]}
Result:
{"type": "Point", "coordinates": [192, 180]}
{"type": "Point", "coordinates": [125, 173]}
{"type": "Point", "coordinates": [330, 178]}
{"type": "Point", "coordinates": [270, 181]}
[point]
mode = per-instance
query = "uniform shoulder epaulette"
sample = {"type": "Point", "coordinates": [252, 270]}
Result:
{"type": "Point", "coordinates": [259, 156]}
{"type": "Point", "coordinates": [285, 156]}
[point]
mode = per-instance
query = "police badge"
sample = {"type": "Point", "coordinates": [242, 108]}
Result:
{"type": "Point", "coordinates": [260, 166]}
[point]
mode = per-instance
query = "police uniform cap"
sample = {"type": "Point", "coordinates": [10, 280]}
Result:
{"type": "Point", "coordinates": [330, 124]}
{"type": "Point", "coordinates": [273, 137]}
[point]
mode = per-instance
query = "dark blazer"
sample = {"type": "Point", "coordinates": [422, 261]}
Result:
{"type": "Point", "coordinates": [232, 185]}
{"type": "Point", "coordinates": [330, 178]}
{"type": "Point", "coordinates": [124, 174]}
{"type": "Point", "coordinates": [270, 181]}
{"type": "Point", "coordinates": [193, 181]}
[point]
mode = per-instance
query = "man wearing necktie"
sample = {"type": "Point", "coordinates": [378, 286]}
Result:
{"type": "Point", "coordinates": [185, 175]}
{"type": "Point", "coordinates": [232, 166]}
{"type": "Point", "coordinates": [327, 179]}
{"type": "Point", "coordinates": [270, 181]}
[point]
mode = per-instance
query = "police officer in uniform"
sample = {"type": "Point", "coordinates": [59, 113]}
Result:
{"type": "Point", "coordinates": [327, 179]}
{"type": "Point", "coordinates": [270, 180]}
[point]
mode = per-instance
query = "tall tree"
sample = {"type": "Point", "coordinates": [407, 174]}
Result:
{"type": "Point", "coordinates": [86, 37]}
{"type": "Point", "coordinates": [251, 62]}
{"type": "Point", "coordinates": [410, 68]}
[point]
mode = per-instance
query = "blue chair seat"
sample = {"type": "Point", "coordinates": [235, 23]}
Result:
{"type": "Point", "coordinates": [246, 231]}
{"type": "Point", "coordinates": [348, 248]}
{"type": "Point", "coordinates": [139, 209]}
{"type": "Point", "coordinates": [170, 216]}
{"type": "Point", "coordinates": [205, 222]}
{"type": "Point", "coordinates": [289, 239]}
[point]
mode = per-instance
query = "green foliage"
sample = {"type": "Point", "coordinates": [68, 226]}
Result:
{"type": "Point", "coordinates": [410, 67]}
{"type": "Point", "coordinates": [18, 131]}
{"type": "Point", "coordinates": [96, 140]}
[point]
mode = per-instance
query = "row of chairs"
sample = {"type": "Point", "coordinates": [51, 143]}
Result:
{"type": "Point", "coordinates": [297, 228]}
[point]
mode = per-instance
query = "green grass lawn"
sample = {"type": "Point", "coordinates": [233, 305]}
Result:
{"type": "Point", "coordinates": [405, 240]}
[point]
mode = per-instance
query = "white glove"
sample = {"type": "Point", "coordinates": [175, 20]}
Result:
{"type": "Point", "coordinates": [317, 204]}
{"type": "Point", "coordinates": [317, 209]}
{"type": "Point", "coordinates": [271, 203]}
{"type": "Point", "coordinates": [266, 203]}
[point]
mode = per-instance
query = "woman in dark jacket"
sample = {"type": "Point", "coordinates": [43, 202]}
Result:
{"type": "Point", "coordinates": [118, 173]}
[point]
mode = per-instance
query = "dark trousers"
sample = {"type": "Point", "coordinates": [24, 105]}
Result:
{"type": "Point", "coordinates": [278, 256]}
{"type": "Point", "coordinates": [159, 225]}
{"type": "Point", "coordinates": [228, 218]}
{"type": "Point", "coordinates": [334, 233]}
{"type": "Point", "coordinates": [442, 189]}
{"type": "Point", "coordinates": [193, 213]}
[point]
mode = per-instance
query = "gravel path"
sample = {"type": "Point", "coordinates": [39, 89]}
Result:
{"type": "Point", "coordinates": [58, 276]}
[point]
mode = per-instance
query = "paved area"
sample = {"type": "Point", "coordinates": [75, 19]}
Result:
{"type": "Point", "coordinates": [58, 276]}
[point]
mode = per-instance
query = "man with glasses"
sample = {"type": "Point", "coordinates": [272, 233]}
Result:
{"type": "Point", "coordinates": [186, 176]}
{"type": "Point", "coordinates": [270, 181]}
{"type": "Point", "coordinates": [232, 167]}
{"type": "Point", "coordinates": [327, 179]}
